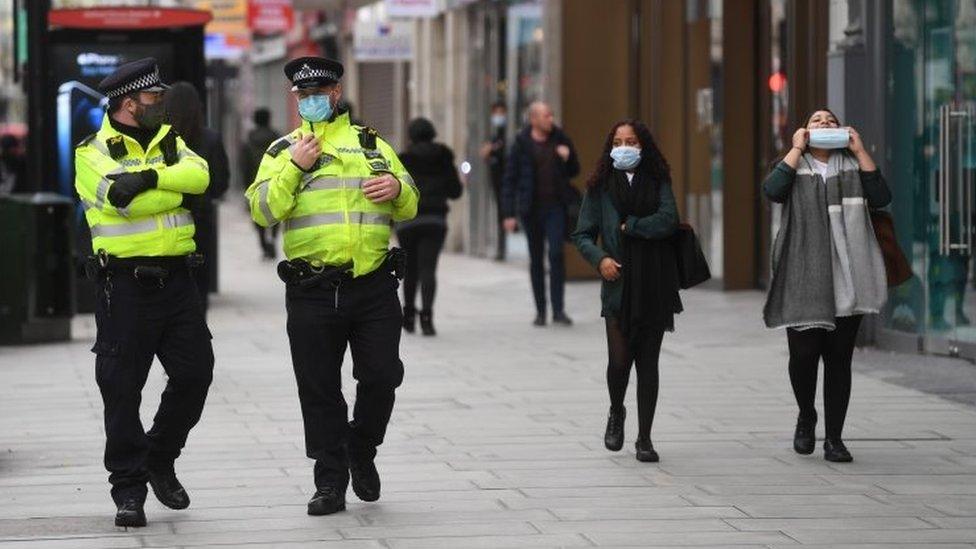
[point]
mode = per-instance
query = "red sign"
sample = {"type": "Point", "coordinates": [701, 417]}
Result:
{"type": "Point", "coordinates": [270, 16]}
{"type": "Point", "coordinates": [126, 18]}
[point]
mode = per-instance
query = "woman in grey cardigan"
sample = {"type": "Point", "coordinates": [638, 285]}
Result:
{"type": "Point", "coordinates": [827, 268]}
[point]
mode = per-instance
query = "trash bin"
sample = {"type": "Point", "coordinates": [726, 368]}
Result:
{"type": "Point", "coordinates": [36, 295]}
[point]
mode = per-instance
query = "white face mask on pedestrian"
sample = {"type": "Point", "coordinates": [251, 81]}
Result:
{"type": "Point", "coordinates": [625, 158]}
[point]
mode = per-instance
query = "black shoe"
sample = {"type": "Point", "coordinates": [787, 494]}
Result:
{"type": "Point", "coordinates": [834, 450]}
{"type": "Point", "coordinates": [805, 437]}
{"type": "Point", "coordinates": [614, 437]}
{"type": "Point", "coordinates": [130, 514]}
{"type": "Point", "coordinates": [365, 478]}
{"type": "Point", "coordinates": [326, 501]}
{"type": "Point", "coordinates": [645, 451]}
{"type": "Point", "coordinates": [427, 323]}
{"type": "Point", "coordinates": [167, 487]}
{"type": "Point", "coordinates": [540, 320]}
{"type": "Point", "coordinates": [562, 319]}
{"type": "Point", "coordinates": [409, 320]}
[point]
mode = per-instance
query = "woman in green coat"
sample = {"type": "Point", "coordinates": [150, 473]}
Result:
{"type": "Point", "coordinates": [624, 229]}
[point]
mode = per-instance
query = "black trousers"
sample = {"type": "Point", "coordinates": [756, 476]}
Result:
{"type": "Point", "coordinates": [545, 228]}
{"type": "Point", "coordinates": [140, 320]}
{"type": "Point", "coordinates": [836, 348]}
{"type": "Point", "coordinates": [423, 244]}
{"type": "Point", "coordinates": [363, 314]}
{"type": "Point", "coordinates": [502, 234]}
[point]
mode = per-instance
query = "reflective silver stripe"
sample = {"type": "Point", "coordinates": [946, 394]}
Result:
{"type": "Point", "coordinates": [263, 202]}
{"type": "Point", "coordinates": [169, 221]}
{"type": "Point", "coordinates": [130, 162]}
{"type": "Point", "coordinates": [408, 179]}
{"type": "Point", "coordinates": [355, 218]}
{"type": "Point", "coordinates": [101, 193]}
{"type": "Point", "coordinates": [333, 183]}
{"type": "Point", "coordinates": [155, 160]}
{"type": "Point", "coordinates": [100, 147]}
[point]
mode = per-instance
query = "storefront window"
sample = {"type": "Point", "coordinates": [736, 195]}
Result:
{"type": "Point", "coordinates": [525, 55]}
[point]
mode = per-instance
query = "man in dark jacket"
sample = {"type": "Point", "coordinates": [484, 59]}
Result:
{"type": "Point", "coordinates": [493, 152]}
{"type": "Point", "coordinates": [258, 141]}
{"type": "Point", "coordinates": [537, 190]}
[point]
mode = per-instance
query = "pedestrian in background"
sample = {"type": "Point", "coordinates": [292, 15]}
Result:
{"type": "Point", "coordinates": [827, 267]}
{"type": "Point", "coordinates": [13, 166]}
{"type": "Point", "coordinates": [493, 153]}
{"type": "Point", "coordinates": [536, 190]}
{"type": "Point", "coordinates": [432, 167]}
{"type": "Point", "coordinates": [252, 151]}
{"type": "Point", "coordinates": [625, 224]}
{"type": "Point", "coordinates": [185, 112]}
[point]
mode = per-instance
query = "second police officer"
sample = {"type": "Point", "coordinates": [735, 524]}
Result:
{"type": "Point", "coordinates": [337, 188]}
{"type": "Point", "coordinates": [133, 178]}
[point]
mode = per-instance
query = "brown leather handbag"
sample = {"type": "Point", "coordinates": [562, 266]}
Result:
{"type": "Point", "coordinates": [896, 264]}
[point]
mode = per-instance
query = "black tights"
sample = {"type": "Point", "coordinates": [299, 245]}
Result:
{"type": "Point", "coordinates": [622, 355]}
{"type": "Point", "coordinates": [423, 245]}
{"type": "Point", "coordinates": [836, 348]}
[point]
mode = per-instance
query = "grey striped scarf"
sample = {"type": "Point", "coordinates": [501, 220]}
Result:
{"type": "Point", "coordinates": [826, 261]}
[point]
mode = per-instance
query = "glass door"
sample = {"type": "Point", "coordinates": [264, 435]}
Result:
{"type": "Point", "coordinates": [932, 94]}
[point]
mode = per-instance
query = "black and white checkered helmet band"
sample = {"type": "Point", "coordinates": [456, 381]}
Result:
{"type": "Point", "coordinates": [146, 81]}
{"type": "Point", "coordinates": [308, 73]}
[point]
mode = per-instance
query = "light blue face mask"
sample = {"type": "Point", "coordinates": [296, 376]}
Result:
{"type": "Point", "coordinates": [315, 108]}
{"type": "Point", "coordinates": [830, 138]}
{"type": "Point", "coordinates": [625, 158]}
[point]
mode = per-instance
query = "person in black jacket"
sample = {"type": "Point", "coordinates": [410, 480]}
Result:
{"type": "Point", "coordinates": [493, 152]}
{"type": "Point", "coordinates": [432, 167]}
{"type": "Point", "coordinates": [536, 188]}
{"type": "Point", "coordinates": [252, 152]}
{"type": "Point", "coordinates": [184, 111]}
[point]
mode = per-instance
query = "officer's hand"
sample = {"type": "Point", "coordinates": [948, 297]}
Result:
{"type": "Point", "coordinates": [126, 186]}
{"type": "Point", "coordinates": [382, 189]}
{"type": "Point", "coordinates": [306, 151]}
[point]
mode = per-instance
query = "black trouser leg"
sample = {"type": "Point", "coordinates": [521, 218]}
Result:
{"type": "Point", "coordinates": [317, 334]}
{"type": "Point", "coordinates": [618, 365]}
{"type": "Point", "coordinates": [502, 235]}
{"type": "Point", "coordinates": [428, 252]}
{"type": "Point", "coordinates": [838, 354]}
{"type": "Point", "coordinates": [536, 235]}
{"type": "Point", "coordinates": [806, 347]}
{"type": "Point", "coordinates": [127, 336]}
{"type": "Point", "coordinates": [409, 242]}
{"type": "Point", "coordinates": [555, 235]}
{"type": "Point", "coordinates": [374, 341]}
{"type": "Point", "coordinates": [646, 357]}
{"type": "Point", "coordinates": [186, 353]}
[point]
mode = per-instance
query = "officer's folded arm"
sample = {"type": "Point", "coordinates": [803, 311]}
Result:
{"type": "Point", "coordinates": [184, 177]}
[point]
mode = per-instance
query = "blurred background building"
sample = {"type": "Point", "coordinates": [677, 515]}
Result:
{"type": "Point", "coordinates": [722, 83]}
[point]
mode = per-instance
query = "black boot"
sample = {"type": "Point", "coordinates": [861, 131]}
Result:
{"type": "Point", "coordinates": [326, 501]}
{"type": "Point", "coordinates": [130, 514]}
{"type": "Point", "coordinates": [805, 437]}
{"type": "Point", "coordinates": [167, 488]}
{"type": "Point", "coordinates": [645, 451]}
{"type": "Point", "coordinates": [409, 319]}
{"type": "Point", "coordinates": [427, 323]}
{"type": "Point", "coordinates": [613, 439]}
{"type": "Point", "coordinates": [365, 477]}
{"type": "Point", "coordinates": [834, 450]}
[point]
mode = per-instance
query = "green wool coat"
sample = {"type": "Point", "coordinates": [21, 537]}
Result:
{"type": "Point", "coordinates": [599, 218]}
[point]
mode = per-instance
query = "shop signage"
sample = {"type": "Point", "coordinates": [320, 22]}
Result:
{"type": "Point", "coordinates": [414, 8]}
{"type": "Point", "coordinates": [270, 16]}
{"type": "Point", "coordinates": [390, 41]}
{"type": "Point", "coordinates": [228, 33]}
{"type": "Point", "coordinates": [126, 18]}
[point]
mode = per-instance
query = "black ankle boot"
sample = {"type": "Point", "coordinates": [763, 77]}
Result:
{"type": "Point", "coordinates": [427, 323]}
{"type": "Point", "coordinates": [130, 514]}
{"type": "Point", "coordinates": [613, 439]}
{"type": "Point", "coordinates": [645, 451]}
{"type": "Point", "coordinates": [167, 488]}
{"type": "Point", "coordinates": [409, 318]}
{"type": "Point", "coordinates": [834, 450]}
{"type": "Point", "coordinates": [805, 437]}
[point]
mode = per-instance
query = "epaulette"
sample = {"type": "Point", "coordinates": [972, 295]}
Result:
{"type": "Point", "coordinates": [367, 137]}
{"type": "Point", "coordinates": [278, 146]}
{"type": "Point", "coordinates": [86, 140]}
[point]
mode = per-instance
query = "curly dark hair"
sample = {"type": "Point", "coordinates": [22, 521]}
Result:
{"type": "Point", "coordinates": [653, 166]}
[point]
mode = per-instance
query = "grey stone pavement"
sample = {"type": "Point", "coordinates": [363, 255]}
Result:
{"type": "Point", "coordinates": [496, 439]}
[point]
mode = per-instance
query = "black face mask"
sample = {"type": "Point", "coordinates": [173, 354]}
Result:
{"type": "Point", "coordinates": [150, 117]}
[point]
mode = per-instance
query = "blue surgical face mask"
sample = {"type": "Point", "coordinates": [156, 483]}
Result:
{"type": "Point", "coordinates": [315, 108]}
{"type": "Point", "coordinates": [498, 120]}
{"type": "Point", "coordinates": [829, 138]}
{"type": "Point", "coordinates": [625, 158]}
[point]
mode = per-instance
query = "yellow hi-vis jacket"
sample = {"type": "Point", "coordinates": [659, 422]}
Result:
{"type": "Point", "coordinates": [153, 224]}
{"type": "Point", "coordinates": [327, 218]}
